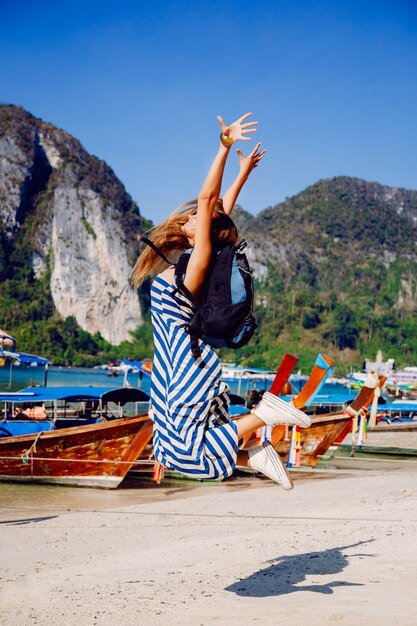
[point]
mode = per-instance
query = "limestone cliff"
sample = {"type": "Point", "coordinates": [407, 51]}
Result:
{"type": "Point", "coordinates": [80, 224]}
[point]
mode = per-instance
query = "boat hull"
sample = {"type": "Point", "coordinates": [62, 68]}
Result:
{"type": "Point", "coordinates": [95, 455]}
{"type": "Point", "coordinates": [324, 431]}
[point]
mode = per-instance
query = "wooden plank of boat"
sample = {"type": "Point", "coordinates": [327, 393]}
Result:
{"type": "Point", "coordinates": [381, 451]}
{"type": "Point", "coordinates": [95, 455]}
{"type": "Point", "coordinates": [319, 372]}
{"type": "Point", "coordinates": [288, 363]}
{"type": "Point", "coordinates": [316, 440]}
{"type": "Point", "coordinates": [395, 427]}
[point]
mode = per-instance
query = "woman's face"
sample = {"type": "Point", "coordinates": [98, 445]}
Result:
{"type": "Point", "coordinates": [189, 227]}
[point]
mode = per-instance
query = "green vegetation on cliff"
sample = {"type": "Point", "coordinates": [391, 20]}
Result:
{"type": "Point", "coordinates": [342, 274]}
{"type": "Point", "coordinates": [341, 279]}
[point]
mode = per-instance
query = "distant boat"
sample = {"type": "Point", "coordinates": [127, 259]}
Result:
{"type": "Point", "coordinates": [233, 372]}
{"type": "Point", "coordinates": [403, 379]}
{"type": "Point", "coordinates": [141, 367]}
{"type": "Point", "coordinates": [19, 359]}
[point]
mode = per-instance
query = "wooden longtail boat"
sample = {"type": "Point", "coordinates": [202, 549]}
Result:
{"type": "Point", "coordinates": [77, 441]}
{"type": "Point", "coordinates": [316, 440]}
{"type": "Point", "coordinates": [94, 455]}
{"type": "Point", "coordinates": [323, 431]}
{"type": "Point", "coordinates": [326, 430]}
{"type": "Point", "coordinates": [397, 435]}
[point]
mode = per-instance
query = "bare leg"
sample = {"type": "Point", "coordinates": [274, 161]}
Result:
{"type": "Point", "coordinates": [247, 423]}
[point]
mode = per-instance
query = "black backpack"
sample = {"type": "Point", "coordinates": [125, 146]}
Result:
{"type": "Point", "coordinates": [223, 312]}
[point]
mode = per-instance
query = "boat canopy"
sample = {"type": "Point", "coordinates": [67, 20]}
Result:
{"type": "Point", "coordinates": [21, 357]}
{"type": "Point", "coordinates": [118, 395]}
{"type": "Point", "coordinates": [31, 358]}
{"type": "Point", "coordinates": [401, 405]}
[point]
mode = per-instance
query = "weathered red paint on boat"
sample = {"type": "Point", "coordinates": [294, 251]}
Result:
{"type": "Point", "coordinates": [99, 454]}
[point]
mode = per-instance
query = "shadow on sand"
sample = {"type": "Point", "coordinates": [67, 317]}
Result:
{"type": "Point", "coordinates": [283, 576]}
{"type": "Point", "coordinates": [28, 520]}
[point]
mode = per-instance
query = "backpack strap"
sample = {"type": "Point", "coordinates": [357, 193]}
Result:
{"type": "Point", "coordinates": [156, 249]}
{"type": "Point", "coordinates": [180, 271]}
{"type": "Point", "coordinates": [241, 246]}
{"type": "Point", "coordinates": [193, 327]}
{"type": "Point", "coordinates": [195, 348]}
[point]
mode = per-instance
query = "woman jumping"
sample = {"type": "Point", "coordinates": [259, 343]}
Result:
{"type": "Point", "coordinates": [193, 432]}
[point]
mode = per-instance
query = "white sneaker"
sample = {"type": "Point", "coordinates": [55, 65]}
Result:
{"type": "Point", "coordinates": [273, 410]}
{"type": "Point", "coordinates": [265, 459]}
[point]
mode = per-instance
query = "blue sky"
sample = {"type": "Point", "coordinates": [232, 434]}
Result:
{"type": "Point", "coordinates": [139, 83]}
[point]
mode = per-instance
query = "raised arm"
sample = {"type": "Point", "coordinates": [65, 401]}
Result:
{"type": "Point", "coordinates": [207, 198]}
{"type": "Point", "coordinates": [246, 165]}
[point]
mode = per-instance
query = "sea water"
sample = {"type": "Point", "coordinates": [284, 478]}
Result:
{"type": "Point", "coordinates": [20, 377]}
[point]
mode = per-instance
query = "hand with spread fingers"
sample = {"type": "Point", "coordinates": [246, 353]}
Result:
{"type": "Point", "coordinates": [229, 135]}
{"type": "Point", "coordinates": [236, 131]}
{"type": "Point", "coordinates": [247, 164]}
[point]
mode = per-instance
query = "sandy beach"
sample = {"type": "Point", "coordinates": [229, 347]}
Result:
{"type": "Point", "coordinates": [339, 549]}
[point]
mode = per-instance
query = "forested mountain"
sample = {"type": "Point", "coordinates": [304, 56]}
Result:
{"type": "Point", "coordinates": [335, 266]}
{"type": "Point", "coordinates": [337, 271]}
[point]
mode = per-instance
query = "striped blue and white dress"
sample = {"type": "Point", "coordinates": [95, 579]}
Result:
{"type": "Point", "coordinates": [192, 432]}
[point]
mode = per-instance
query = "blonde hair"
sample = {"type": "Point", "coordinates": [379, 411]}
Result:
{"type": "Point", "coordinates": [169, 239]}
